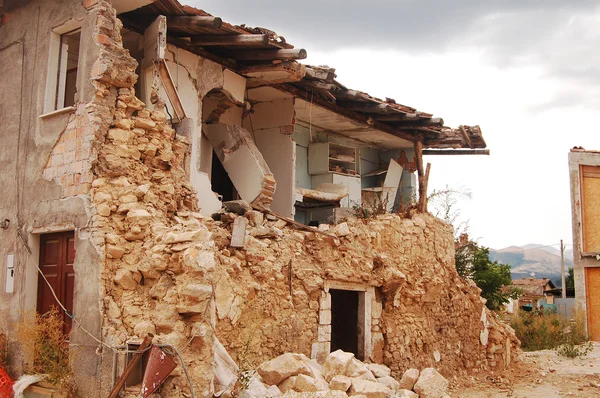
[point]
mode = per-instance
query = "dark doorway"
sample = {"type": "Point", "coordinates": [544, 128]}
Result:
{"type": "Point", "coordinates": [57, 255]}
{"type": "Point", "coordinates": [220, 181]}
{"type": "Point", "coordinates": [344, 321]}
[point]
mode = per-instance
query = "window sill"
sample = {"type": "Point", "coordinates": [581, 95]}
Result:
{"type": "Point", "coordinates": [67, 109]}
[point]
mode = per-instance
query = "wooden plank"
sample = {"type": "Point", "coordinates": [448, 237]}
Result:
{"type": "Point", "coordinates": [172, 94]}
{"type": "Point", "coordinates": [456, 151]}
{"type": "Point", "coordinates": [238, 234]}
{"type": "Point", "coordinates": [294, 222]}
{"type": "Point", "coordinates": [590, 203]}
{"type": "Point", "coordinates": [266, 55]}
{"type": "Point", "coordinates": [465, 136]}
{"type": "Point", "coordinates": [302, 93]}
{"type": "Point", "coordinates": [136, 358]}
{"type": "Point", "coordinates": [406, 123]}
{"type": "Point", "coordinates": [592, 286]}
{"type": "Point", "coordinates": [230, 40]}
{"type": "Point", "coordinates": [194, 21]}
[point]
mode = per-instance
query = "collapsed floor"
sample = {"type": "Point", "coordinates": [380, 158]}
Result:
{"type": "Point", "coordinates": [171, 272]}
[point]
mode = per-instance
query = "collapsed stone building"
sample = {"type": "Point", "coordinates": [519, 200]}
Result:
{"type": "Point", "coordinates": [128, 125]}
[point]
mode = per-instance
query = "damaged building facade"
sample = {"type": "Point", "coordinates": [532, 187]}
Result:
{"type": "Point", "coordinates": [128, 125]}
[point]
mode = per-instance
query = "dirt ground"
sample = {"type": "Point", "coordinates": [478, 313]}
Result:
{"type": "Point", "coordinates": [539, 374]}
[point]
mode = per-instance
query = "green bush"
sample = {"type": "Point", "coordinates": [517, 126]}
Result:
{"type": "Point", "coordinates": [548, 331]}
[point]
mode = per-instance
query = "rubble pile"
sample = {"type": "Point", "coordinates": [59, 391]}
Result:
{"type": "Point", "coordinates": [341, 375]}
{"type": "Point", "coordinates": [171, 272]}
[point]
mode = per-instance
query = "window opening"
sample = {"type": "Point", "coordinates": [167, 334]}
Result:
{"type": "Point", "coordinates": [68, 61]}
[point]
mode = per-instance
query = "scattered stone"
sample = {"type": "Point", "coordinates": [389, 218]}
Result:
{"type": "Point", "coordinates": [278, 369]}
{"type": "Point", "coordinates": [124, 278]}
{"type": "Point", "coordinates": [369, 389]}
{"type": "Point", "coordinates": [341, 383]}
{"type": "Point", "coordinates": [306, 383]}
{"type": "Point", "coordinates": [409, 378]}
{"type": "Point", "coordinates": [337, 363]}
{"type": "Point", "coordinates": [341, 229]}
{"type": "Point", "coordinates": [379, 370]}
{"type": "Point", "coordinates": [405, 394]}
{"type": "Point", "coordinates": [430, 384]}
{"type": "Point", "coordinates": [389, 382]}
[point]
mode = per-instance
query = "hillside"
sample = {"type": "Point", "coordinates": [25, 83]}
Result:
{"type": "Point", "coordinates": [542, 260]}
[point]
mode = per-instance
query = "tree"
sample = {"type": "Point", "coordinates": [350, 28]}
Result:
{"type": "Point", "coordinates": [494, 280]}
{"type": "Point", "coordinates": [570, 279]}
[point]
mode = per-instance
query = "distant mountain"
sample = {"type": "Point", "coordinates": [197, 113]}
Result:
{"type": "Point", "coordinates": [542, 260]}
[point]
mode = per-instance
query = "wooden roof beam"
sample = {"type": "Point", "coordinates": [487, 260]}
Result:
{"type": "Point", "coordinates": [194, 21]}
{"type": "Point", "coordinates": [301, 93]}
{"type": "Point", "coordinates": [266, 55]}
{"type": "Point", "coordinates": [456, 151]}
{"type": "Point", "coordinates": [230, 40]}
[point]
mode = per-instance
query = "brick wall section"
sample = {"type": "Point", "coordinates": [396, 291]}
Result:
{"type": "Point", "coordinates": [69, 164]}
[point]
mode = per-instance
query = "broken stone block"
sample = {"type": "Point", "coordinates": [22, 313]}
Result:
{"type": "Point", "coordinates": [341, 383]}
{"type": "Point", "coordinates": [143, 328]}
{"type": "Point", "coordinates": [369, 389]}
{"type": "Point", "coordinates": [359, 370]}
{"type": "Point", "coordinates": [430, 384]}
{"type": "Point", "coordinates": [256, 389]}
{"type": "Point", "coordinates": [306, 383]}
{"type": "Point", "coordinates": [119, 135]}
{"type": "Point", "coordinates": [266, 232]}
{"type": "Point", "coordinates": [288, 384]}
{"type": "Point", "coordinates": [256, 218]}
{"type": "Point", "coordinates": [124, 278]}
{"type": "Point", "coordinates": [278, 369]}
{"type": "Point", "coordinates": [139, 216]}
{"type": "Point", "coordinates": [159, 290]}
{"type": "Point", "coordinates": [409, 378]}
{"type": "Point", "coordinates": [337, 363]}
{"type": "Point", "coordinates": [379, 370]}
{"type": "Point", "coordinates": [199, 235]}
{"type": "Point", "coordinates": [114, 251]}
{"type": "Point", "coordinates": [389, 382]}
{"type": "Point", "coordinates": [405, 394]}
{"type": "Point", "coordinates": [273, 391]}
{"type": "Point", "coordinates": [341, 229]}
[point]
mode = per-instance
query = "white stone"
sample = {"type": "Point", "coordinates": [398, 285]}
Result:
{"type": "Point", "coordinates": [143, 328]}
{"type": "Point", "coordinates": [379, 370]}
{"type": "Point", "coordinates": [306, 383]}
{"type": "Point", "coordinates": [273, 392]}
{"type": "Point", "coordinates": [288, 384]}
{"type": "Point", "coordinates": [341, 229]}
{"type": "Point", "coordinates": [278, 369]}
{"type": "Point", "coordinates": [124, 278]}
{"type": "Point", "coordinates": [409, 378]}
{"type": "Point", "coordinates": [199, 235]}
{"type": "Point", "coordinates": [369, 389]}
{"type": "Point", "coordinates": [430, 384]}
{"type": "Point", "coordinates": [405, 394]}
{"type": "Point", "coordinates": [256, 389]}
{"type": "Point", "coordinates": [341, 383]}
{"type": "Point", "coordinates": [139, 216]}
{"type": "Point", "coordinates": [197, 292]}
{"type": "Point", "coordinates": [325, 317]}
{"type": "Point", "coordinates": [337, 364]}
{"type": "Point", "coordinates": [324, 333]}
{"type": "Point", "coordinates": [437, 356]}
{"type": "Point", "coordinates": [357, 369]}
{"type": "Point", "coordinates": [389, 382]}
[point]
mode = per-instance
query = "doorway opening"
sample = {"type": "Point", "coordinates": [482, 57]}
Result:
{"type": "Point", "coordinates": [345, 321]}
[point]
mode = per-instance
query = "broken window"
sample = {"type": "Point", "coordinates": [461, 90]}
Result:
{"type": "Point", "coordinates": [66, 74]}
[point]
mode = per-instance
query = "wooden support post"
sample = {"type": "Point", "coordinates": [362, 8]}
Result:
{"type": "Point", "coordinates": [465, 135]}
{"type": "Point", "coordinates": [420, 173]}
{"type": "Point", "coordinates": [136, 358]}
{"type": "Point", "coordinates": [172, 94]}
{"type": "Point", "coordinates": [230, 40]}
{"type": "Point", "coordinates": [423, 199]}
{"type": "Point", "coordinates": [194, 21]}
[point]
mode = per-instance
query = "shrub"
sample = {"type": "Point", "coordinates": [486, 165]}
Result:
{"type": "Point", "coordinates": [42, 336]}
{"type": "Point", "coordinates": [548, 331]}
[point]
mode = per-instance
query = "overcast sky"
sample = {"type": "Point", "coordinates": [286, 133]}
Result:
{"type": "Point", "coordinates": [528, 72]}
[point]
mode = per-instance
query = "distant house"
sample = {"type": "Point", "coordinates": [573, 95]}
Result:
{"type": "Point", "coordinates": [535, 291]}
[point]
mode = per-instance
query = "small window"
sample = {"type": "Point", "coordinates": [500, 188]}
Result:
{"type": "Point", "coordinates": [63, 62]}
{"type": "Point", "coordinates": [67, 69]}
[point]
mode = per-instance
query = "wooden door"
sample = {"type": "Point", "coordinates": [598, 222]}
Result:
{"type": "Point", "coordinates": [57, 255]}
{"type": "Point", "coordinates": [592, 288]}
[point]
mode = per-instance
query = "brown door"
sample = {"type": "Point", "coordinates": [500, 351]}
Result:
{"type": "Point", "coordinates": [592, 288]}
{"type": "Point", "coordinates": [57, 255]}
